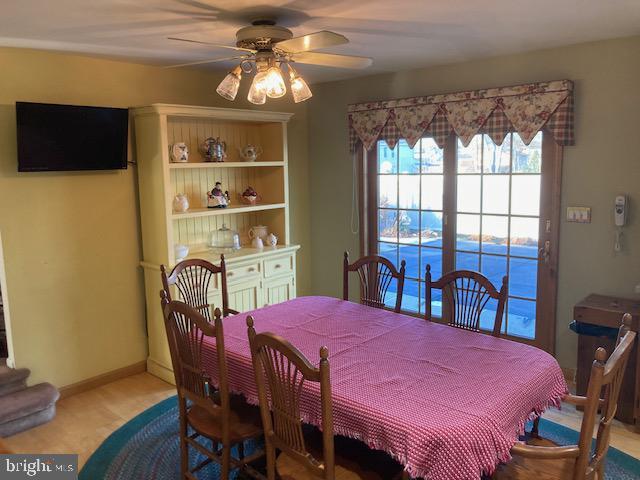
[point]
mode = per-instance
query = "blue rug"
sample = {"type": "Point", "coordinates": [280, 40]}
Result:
{"type": "Point", "coordinates": [147, 448]}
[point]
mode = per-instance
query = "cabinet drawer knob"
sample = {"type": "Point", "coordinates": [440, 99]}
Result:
{"type": "Point", "coordinates": [251, 269]}
{"type": "Point", "coordinates": [229, 274]}
{"type": "Point", "coordinates": [277, 265]}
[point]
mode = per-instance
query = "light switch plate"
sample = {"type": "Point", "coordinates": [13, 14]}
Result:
{"type": "Point", "coordinates": [579, 214]}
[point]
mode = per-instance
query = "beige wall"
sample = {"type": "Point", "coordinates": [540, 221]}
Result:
{"type": "Point", "coordinates": [71, 240]}
{"type": "Point", "coordinates": [604, 162]}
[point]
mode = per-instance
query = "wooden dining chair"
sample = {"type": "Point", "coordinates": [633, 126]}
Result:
{"type": "Point", "coordinates": [376, 274]}
{"type": "Point", "coordinates": [211, 413]}
{"type": "Point", "coordinates": [465, 295]}
{"type": "Point", "coordinates": [281, 371]}
{"type": "Point", "coordinates": [542, 459]}
{"type": "Point", "coordinates": [192, 279]}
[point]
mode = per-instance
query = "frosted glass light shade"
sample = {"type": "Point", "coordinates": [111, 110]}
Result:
{"type": "Point", "coordinates": [257, 92]}
{"type": "Point", "coordinates": [229, 86]}
{"type": "Point", "coordinates": [274, 83]}
{"type": "Point", "coordinates": [300, 90]}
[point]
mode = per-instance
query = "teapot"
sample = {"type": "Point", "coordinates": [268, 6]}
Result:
{"type": "Point", "coordinates": [250, 152]}
{"type": "Point", "coordinates": [214, 149]}
{"type": "Point", "coordinates": [180, 203]}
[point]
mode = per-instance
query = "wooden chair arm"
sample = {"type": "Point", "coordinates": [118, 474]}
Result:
{"type": "Point", "coordinates": [576, 400]}
{"type": "Point", "coordinates": [547, 453]}
{"type": "Point", "coordinates": [231, 311]}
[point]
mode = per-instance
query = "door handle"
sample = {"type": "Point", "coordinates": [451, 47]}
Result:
{"type": "Point", "coordinates": [545, 251]}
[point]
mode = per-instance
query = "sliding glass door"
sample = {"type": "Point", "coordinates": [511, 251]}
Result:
{"type": "Point", "coordinates": [485, 207]}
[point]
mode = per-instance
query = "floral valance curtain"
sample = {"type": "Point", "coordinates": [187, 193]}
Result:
{"type": "Point", "coordinates": [524, 109]}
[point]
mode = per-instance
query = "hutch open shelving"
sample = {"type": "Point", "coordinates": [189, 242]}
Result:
{"type": "Point", "coordinates": [256, 277]}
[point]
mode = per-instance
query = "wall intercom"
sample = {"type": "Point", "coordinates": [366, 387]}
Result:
{"type": "Point", "coordinates": [620, 211]}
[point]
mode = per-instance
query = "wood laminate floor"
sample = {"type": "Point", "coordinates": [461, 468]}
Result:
{"type": "Point", "coordinates": [86, 419]}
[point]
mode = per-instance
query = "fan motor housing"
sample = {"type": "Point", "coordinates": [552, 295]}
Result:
{"type": "Point", "coordinates": [261, 37]}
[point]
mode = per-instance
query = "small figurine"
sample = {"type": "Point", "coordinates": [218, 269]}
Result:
{"type": "Point", "coordinates": [249, 196]}
{"type": "Point", "coordinates": [217, 198]}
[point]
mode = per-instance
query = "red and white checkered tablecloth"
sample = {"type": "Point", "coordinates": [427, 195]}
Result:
{"type": "Point", "coordinates": [446, 403]}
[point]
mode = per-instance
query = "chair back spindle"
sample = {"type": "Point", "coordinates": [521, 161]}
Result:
{"type": "Point", "coordinates": [465, 294]}
{"type": "Point", "coordinates": [281, 371]}
{"type": "Point", "coordinates": [376, 275]}
{"type": "Point", "coordinates": [192, 278]}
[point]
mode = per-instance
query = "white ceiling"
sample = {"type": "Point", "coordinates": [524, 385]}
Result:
{"type": "Point", "coordinates": [398, 34]}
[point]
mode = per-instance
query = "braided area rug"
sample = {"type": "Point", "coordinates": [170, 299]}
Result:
{"type": "Point", "coordinates": [147, 447]}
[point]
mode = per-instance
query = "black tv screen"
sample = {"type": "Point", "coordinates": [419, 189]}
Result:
{"type": "Point", "coordinates": [67, 137]}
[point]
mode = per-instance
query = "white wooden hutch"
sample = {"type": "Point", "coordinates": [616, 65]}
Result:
{"type": "Point", "coordinates": [255, 277]}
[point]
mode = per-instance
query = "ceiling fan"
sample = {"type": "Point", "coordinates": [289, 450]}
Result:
{"type": "Point", "coordinates": [264, 48]}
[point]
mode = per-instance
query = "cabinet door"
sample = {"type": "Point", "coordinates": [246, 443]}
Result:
{"type": "Point", "coordinates": [246, 295]}
{"type": "Point", "coordinates": [279, 290]}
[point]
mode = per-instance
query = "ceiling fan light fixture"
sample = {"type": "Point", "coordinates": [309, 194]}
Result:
{"type": "Point", "coordinates": [263, 47]}
{"type": "Point", "coordinates": [299, 88]}
{"type": "Point", "coordinates": [274, 83]}
{"type": "Point", "coordinates": [257, 92]}
{"type": "Point", "coordinates": [228, 87]}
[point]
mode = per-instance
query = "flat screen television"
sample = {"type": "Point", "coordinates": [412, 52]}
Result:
{"type": "Point", "coordinates": [67, 137]}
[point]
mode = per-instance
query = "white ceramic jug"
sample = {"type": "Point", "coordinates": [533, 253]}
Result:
{"type": "Point", "coordinates": [180, 203]}
{"type": "Point", "coordinates": [257, 243]}
{"type": "Point", "coordinates": [259, 231]}
{"type": "Point", "coordinates": [180, 252]}
{"type": "Point", "coordinates": [179, 152]}
{"type": "Point", "coordinates": [272, 240]}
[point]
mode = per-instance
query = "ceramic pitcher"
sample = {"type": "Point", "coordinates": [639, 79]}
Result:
{"type": "Point", "coordinates": [180, 203]}
{"type": "Point", "coordinates": [271, 240]}
{"type": "Point", "coordinates": [259, 231]}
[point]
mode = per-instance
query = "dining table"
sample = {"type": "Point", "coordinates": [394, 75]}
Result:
{"type": "Point", "coordinates": [446, 403]}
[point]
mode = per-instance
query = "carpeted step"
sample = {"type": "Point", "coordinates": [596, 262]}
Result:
{"type": "Point", "coordinates": [12, 379]}
{"type": "Point", "coordinates": [27, 408]}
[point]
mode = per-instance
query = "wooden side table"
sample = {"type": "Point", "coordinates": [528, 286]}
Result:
{"type": "Point", "coordinates": [607, 312]}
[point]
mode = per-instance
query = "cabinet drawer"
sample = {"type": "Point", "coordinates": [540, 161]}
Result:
{"type": "Point", "coordinates": [242, 272]}
{"type": "Point", "coordinates": [278, 266]}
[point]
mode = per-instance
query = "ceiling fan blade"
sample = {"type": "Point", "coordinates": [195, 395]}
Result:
{"type": "Point", "coordinates": [313, 41]}
{"type": "Point", "coordinates": [240, 49]}
{"type": "Point", "coordinates": [197, 4]}
{"type": "Point", "coordinates": [202, 62]}
{"type": "Point", "coordinates": [332, 60]}
{"type": "Point", "coordinates": [210, 15]}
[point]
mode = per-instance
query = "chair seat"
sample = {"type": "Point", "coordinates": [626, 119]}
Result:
{"type": "Point", "coordinates": [520, 468]}
{"type": "Point", "coordinates": [354, 461]}
{"type": "Point", "coordinates": [289, 469]}
{"type": "Point", "coordinates": [245, 421]}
